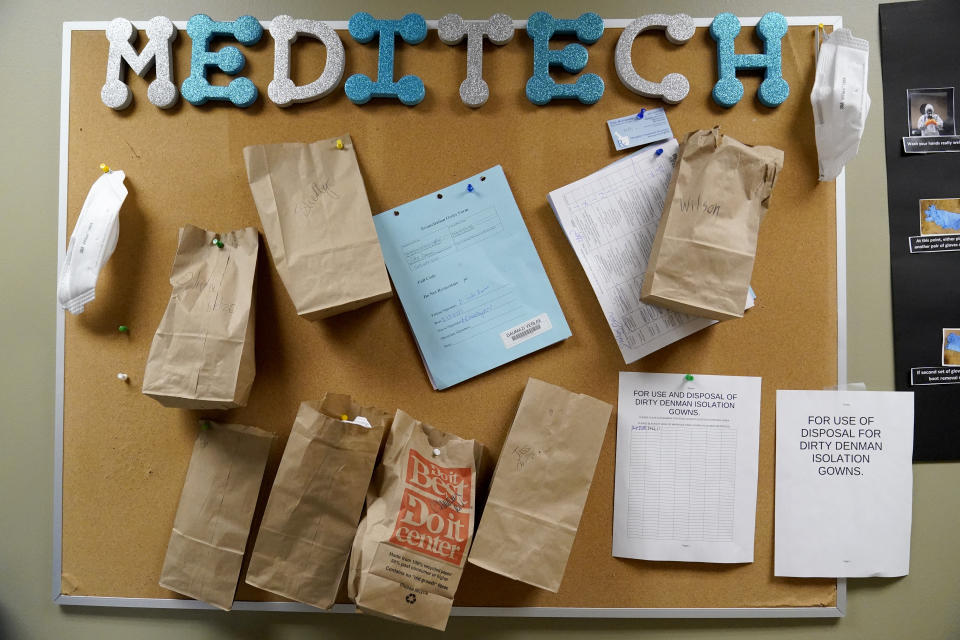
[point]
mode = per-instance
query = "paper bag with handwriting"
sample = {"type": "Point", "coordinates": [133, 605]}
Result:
{"type": "Point", "coordinates": [202, 354]}
{"type": "Point", "coordinates": [412, 543]}
{"type": "Point", "coordinates": [540, 485]}
{"type": "Point", "coordinates": [216, 507]}
{"type": "Point", "coordinates": [702, 256]}
{"type": "Point", "coordinates": [312, 513]}
{"type": "Point", "coordinates": [318, 225]}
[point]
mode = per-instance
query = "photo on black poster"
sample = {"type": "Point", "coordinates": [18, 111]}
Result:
{"type": "Point", "coordinates": [931, 124]}
{"type": "Point", "coordinates": [949, 370]}
{"type": "Point", "coordinates": [939, 226]}
{"type": "Point", "coordinates": [951, 348]}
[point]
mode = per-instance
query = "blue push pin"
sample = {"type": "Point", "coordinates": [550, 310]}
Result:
{"type": "Point", "coordinates": [469, 188]}
{"type": "Point", "coordinates": [640, 115]}
{"type": "Point", "coordinates": [658, 152]}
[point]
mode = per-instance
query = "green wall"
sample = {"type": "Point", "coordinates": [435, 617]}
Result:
{"type": "Point", "coordinates": [924, 605]}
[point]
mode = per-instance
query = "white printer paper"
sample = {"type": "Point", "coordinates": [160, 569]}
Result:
{"type": "Point", "coordinates": [686, 480]}
{"type": "Point", "coordinates": [610, 218]}
{"type": "Point", "coordinates": [844, 483]}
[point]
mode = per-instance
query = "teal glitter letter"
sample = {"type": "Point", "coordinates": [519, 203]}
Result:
{"type": "Point", "coordinates": [202, 29]}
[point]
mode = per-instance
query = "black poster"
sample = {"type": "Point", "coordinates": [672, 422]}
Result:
{"type": "Point", "coordinates": [920, 52]}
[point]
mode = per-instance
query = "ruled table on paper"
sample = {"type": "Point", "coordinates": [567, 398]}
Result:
{"type": "Point", "coordinates": [686, 477]}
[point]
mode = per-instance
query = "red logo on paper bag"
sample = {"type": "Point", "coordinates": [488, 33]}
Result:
{"type": "Point", "coordinates": [434, 516]}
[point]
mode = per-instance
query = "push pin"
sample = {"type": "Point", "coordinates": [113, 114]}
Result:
{"type": "Point", "coordinates": [688, 377]}
{"type": "Point", "coordinates": [204, 425]}
{"type": "Point", "coordinates": [469, 188]}
{"type": "Point", "coordinates": [640, 115]}
{"type": "Point", "coordinates": [104, 168]}
{"type": "Point", "coordinates": [217, 242]}
{"type": "Point", "coordinates": [436, 452]}
{"type": "Point", "coordinates": [122, 377]}
{"type": "Point", "coordinates": [123, 328]}
{"type": "Point", "coordinates": [339, 143]}
{"type": "Point", "coordinates": [658, 152]}
{"type": "Point", "coordinates": [344, 416]}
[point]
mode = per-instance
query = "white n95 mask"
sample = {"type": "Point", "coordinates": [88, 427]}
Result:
{"type": "Point", "coordinates": [839, 98]}
{"type": "Point", "coordinates": [92, 243]}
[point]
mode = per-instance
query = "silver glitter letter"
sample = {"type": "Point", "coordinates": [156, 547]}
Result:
{"type": "Point", "coordinates": [121, 34]}
{"type": "Point", "coordinates": [674, 87]}
{"type": "Point", "coordinates": [285, 30]}
{"type": "Point", "coordinates": [498, 29]}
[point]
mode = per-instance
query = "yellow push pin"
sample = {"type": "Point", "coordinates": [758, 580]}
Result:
{"type": "Point", "coordinates": [339, 143]}
{"type": "Point", "coordinates": [104, 168]}
{"type": "Point", "coordinates": [344, 416]}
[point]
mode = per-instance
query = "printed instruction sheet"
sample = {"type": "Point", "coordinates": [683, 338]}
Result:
{"type": "Point", "coordinates": [844, 483]}
{"type": "Point", "coordinates": [686, 478]}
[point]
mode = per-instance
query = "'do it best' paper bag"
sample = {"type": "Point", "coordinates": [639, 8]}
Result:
{"type": "Point", "coordinates": [540, 485]}
{"type": "Point", "coordinates": [311, 517]}
{"type": "Point", "coordinates": [216, 507]}
{"type": "Point", "coordinates": [202, 356]}
{"type": "Point", "coordinates": [702, 257]}
{"type": "Point", "coordinates": [412, 544]}
{"type": "Point", "coordinates": [318, 224]}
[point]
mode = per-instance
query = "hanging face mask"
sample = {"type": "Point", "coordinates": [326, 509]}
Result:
{"type": "Point", "coordinates": [92, 243]}
{"type": "Point", "coordinates": [839, 98]}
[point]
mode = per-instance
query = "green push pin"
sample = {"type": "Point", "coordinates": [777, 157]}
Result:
{"type": "Point", "coordinates": [688, 377]}
{"type": "Point", "coordinates": [204, 425]}
{"type": "Point", "coordinates": [218, 243]}
{"type": "Point", "coordinates": [123, 329]}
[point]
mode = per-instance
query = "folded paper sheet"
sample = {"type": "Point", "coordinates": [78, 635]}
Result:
{"type": "Point", "coordinates": [412, 543]}
{"type": "Point", "coordinates": [315, 503]}
{"type": "Point", "coordinates": [216, 506]}
{"type": "Point", "coordinates": [540, 485]}
{"type": "Point", "coordinates": [318, 225]}
{"type": "Point", "coordinates": [202, 356]}
{"type": "Point", "coordinates": [702, 257]}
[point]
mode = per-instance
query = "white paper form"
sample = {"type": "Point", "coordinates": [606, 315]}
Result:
{"type": "Point", "coordinates": [611, 219]}
{"type": "Point", "coordinates": [844, 484]}
{"type": "Point", "coordinates": [686, 479]}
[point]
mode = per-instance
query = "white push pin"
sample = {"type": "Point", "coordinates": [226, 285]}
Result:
{"type": "Point", "coordinates": [122, 377]}
{"type": "Point", "coordinates": [436, 452]}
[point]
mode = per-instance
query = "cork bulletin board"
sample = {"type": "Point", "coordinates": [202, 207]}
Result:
{"type": "Point", "coordinates": [121, 457]}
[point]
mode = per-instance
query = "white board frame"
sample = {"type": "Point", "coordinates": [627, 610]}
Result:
{"type": "Point", "coordinates": [837, 611]}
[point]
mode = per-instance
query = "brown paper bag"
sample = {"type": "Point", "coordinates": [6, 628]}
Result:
{"type": "Point", "coordinates": [202, 356]}
{"type": "Point", "coordinates": [216, 507]}
{"type": "Point", "coordinates": [540, 485]}
{"type": "Point", "coordinates": [311, 517]}
{"type": "Point", "coordinates": [412, 543]}
{"type": "Point", "coordinates": [702, 257]}
{"type": "Point", "coordinates": [318, 225]}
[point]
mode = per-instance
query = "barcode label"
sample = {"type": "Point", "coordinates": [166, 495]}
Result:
{"type": "Point", "coordinates": [526, 330]}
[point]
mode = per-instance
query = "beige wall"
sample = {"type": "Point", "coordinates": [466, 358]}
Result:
{"type": "Point", "coordinates": [924, 605]}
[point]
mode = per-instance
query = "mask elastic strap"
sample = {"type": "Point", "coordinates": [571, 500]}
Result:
{"type": "Point", "coordinates": [820, 29]}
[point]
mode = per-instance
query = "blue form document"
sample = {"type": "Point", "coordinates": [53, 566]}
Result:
{"type": "Point", "coordinates": [469, 278]}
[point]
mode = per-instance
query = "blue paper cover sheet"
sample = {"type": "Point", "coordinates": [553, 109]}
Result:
{"type": "Point", "coordinates": [469, 278]}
